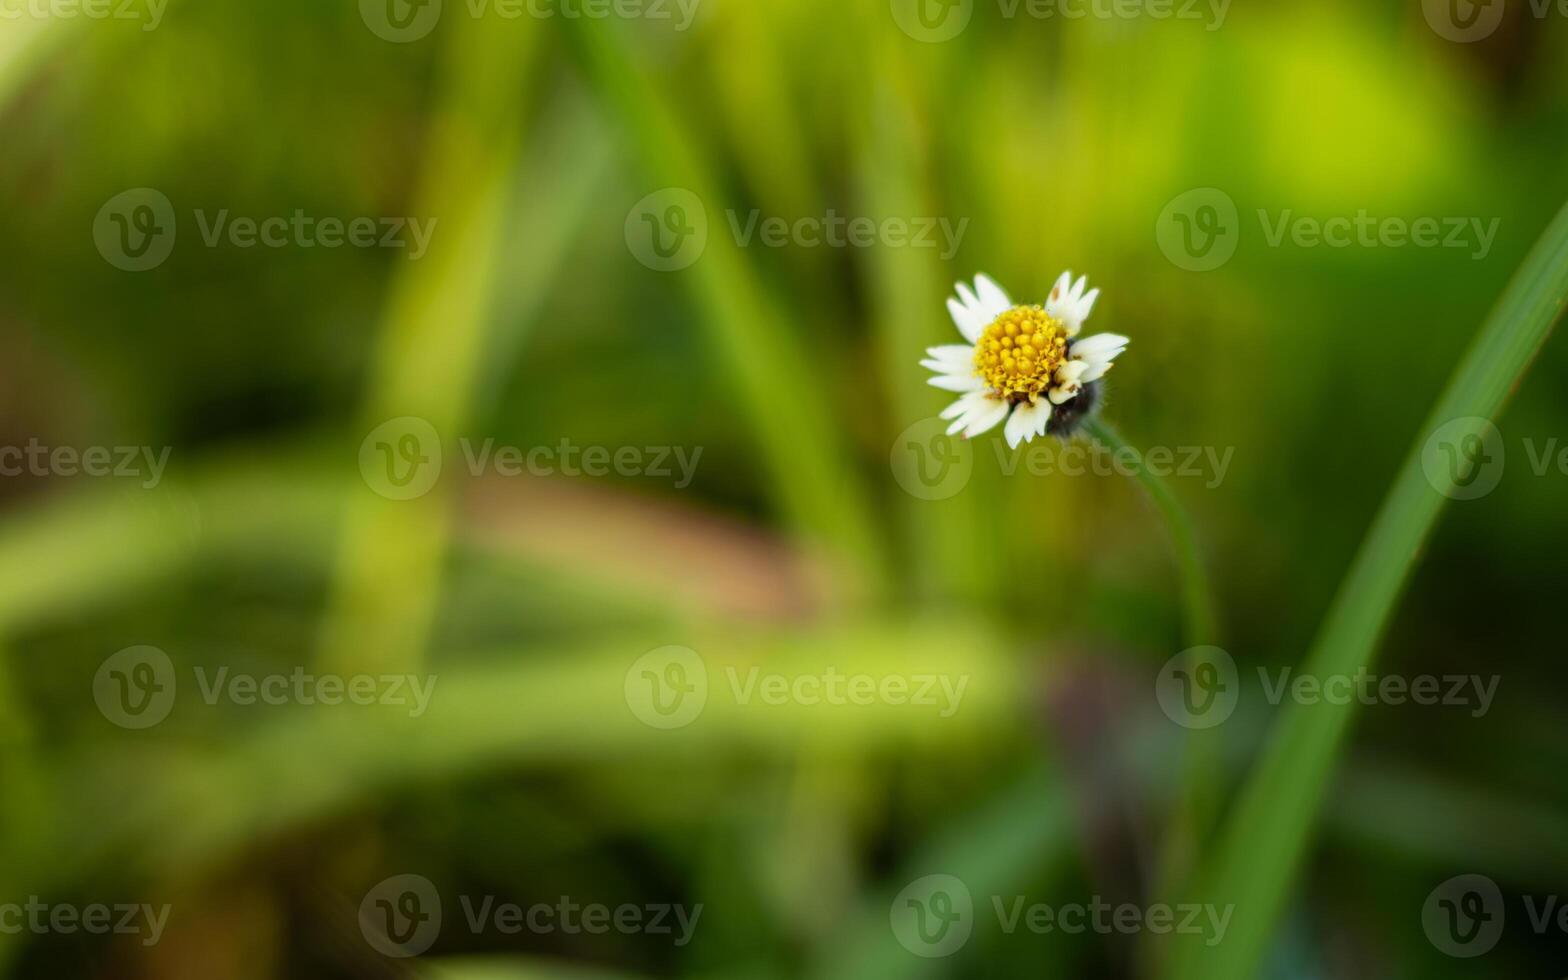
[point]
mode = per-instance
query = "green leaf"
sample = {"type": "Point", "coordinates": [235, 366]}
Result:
{"type": "Point", "coordinates": [1271, 826]}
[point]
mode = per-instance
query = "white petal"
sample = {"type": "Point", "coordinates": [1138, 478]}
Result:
{"type": "Point", "coordinates": [954, 359]}
{"type": "Point", "coordinates": [961, 407]}
{"type": "Point", "coordinates": [967, 295]}
{"type": "Point", "coordinates": [1058, 300]}
{"type": "Point", "coordinates": [1029, 420]}
{"type": "Point", "coordinates": [1099, 347]}
{"type": "Point", "coordinates": [961, 353]}
{"type": "Point", "coordinates": [1071, 371]}
{"type": "Point", "coordinates": [993, 301]}
{"type": "Point", "coordinates": [1064, 393]}
{"type": "Point", "coordinates": [1096, 372]}
{"type": "Point", "coordinates": [969, 322]}
{"type": "Point", "coordinates": [1086, 305]}
{"type": "Point", "coordinates": [986, 419]}
{"type": "Point", "coordinates": [1042, 416]}
{"type": "Point", "coordinates": [957, 382]}
{"type": "Point", "coordinates": [1018, 428]}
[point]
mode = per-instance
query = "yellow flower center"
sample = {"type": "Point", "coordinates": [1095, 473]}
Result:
{"type": "Point", "coordinates": [1018, 354]}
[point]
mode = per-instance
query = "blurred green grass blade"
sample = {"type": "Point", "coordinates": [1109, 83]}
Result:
{"type": "Point", "coordinates": [566, 705]}
{"type": "Point", "coordinates": [749, 74]}
{"type": "Point", "coordinates": [432, 346]}
{"type": "Point", "coordinates": [1015, 838]}
{"type": "Point", "coordinates": [570, 152]}
{"type": "Point", "coordinates": [1450, 823]}
{"type": "Point", "coordinates": [1272, 822]}
{"type": "Point", "coordinates": [780, 393]}
{"type": "Point", "coordinates": [952, 549]}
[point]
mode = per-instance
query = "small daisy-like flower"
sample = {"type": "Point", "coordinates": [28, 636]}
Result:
{"type": "Point", "coordinates": [1022, 365]}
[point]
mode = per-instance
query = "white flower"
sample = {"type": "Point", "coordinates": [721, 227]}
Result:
{"type": "Point", "coordinates": [1021, 364]}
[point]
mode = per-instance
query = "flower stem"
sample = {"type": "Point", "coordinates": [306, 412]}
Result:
{"type": "Point", "coordinates": [1200, 627]}
{"type": "Point", "coordinates": [1199, 620]}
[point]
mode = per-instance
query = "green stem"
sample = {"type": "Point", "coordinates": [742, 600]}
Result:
{"type": "Point", "coordinates": [1274, 815]}
{"type": "Point", "coordinates": [1200, 623]}
{"type": "Point", "coordinates": [1200, 627]}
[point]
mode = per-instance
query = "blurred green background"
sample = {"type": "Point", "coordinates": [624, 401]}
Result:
{"type": "Point", "coordinates": [540, 147]}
